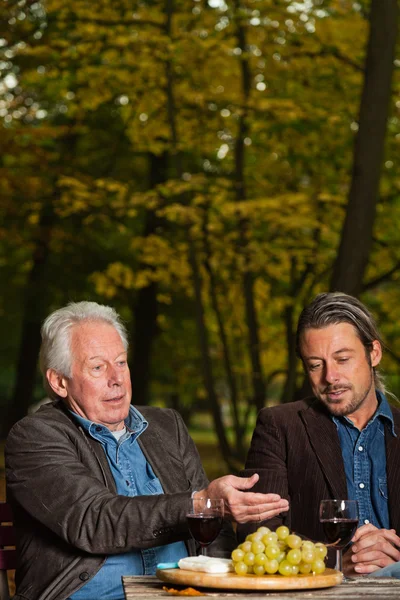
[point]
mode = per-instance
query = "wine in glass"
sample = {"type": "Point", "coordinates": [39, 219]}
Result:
{"type": "Point", "coordinates": [204, 519]}
{"type": "Point", "coordinates": [339, 519]}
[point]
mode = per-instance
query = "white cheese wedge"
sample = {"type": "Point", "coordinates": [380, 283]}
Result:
{"type": "Point", "coordinates": [206, 564]}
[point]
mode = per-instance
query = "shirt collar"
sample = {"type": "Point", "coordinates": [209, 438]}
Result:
{"type": "Point", "coordinates": [135, 423]}
{"type": "Point", "coordinates": [383, 412]}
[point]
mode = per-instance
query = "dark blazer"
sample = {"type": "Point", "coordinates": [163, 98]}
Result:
{"type": "Point", "coordinates": [67, 513]}
{"type": "Point", "coordinates": [296, 451]}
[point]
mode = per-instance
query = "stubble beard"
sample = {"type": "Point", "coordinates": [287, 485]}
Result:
{"type": "Point", "coordinates": [337, 408]}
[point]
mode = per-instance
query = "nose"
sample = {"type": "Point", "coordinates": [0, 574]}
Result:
{"type": "Point", "coordinates": [115, 377]}
{"type": "Point", "coordinates": [331, 373]}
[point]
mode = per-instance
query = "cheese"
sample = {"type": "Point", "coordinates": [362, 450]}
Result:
{"type": "Point", "coordinates": [206, 564]}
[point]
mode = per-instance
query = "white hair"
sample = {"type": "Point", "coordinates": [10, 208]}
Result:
{"type": "Point", "coordinates": [55, 351]}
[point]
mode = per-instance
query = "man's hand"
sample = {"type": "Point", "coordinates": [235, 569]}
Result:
{"type": "Point", "coordinates": [372, 549]}
{"type": "Point", "coordinates": [243, 506]}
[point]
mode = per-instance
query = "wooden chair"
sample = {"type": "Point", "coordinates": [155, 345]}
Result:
{"type": "Point", "coordinates": [8, 555]}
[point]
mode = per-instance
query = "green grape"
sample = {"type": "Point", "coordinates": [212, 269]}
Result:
{"type": "Point", "coordinates": [257, 547]}
{"type": "Point", "coordinates": [293, 541]}
{"type": "Point", "coordinates": [318, 566]}
{"type": "Point", "coordinates": [320, 550]}
{"type": "Point", "coordinates": [271, 566]}
{"type": "Point", "coordinates": [304, 568]}
{"type": "Point", "coordinates": [258, 570]}
{"type": "Point", "coordinates": [260, 559]}
{"type": "Point", "coordinates": [308, 555]}
{"type": "Point", "coordinates": [282, 532]}
{"type": "Point", "coordinates": [285, 568]}
{"type": "Point", "coordinates": [294, 556]}
{"type": "Point", "coordinates": [269, 538]}
{"type": "Point", "coordinates": [246, 546]}
{"type": "Point", "coordinates": [266, 552]}
{"type": "Point", "coordinates": [272, 551]}
{"type": "Point", "coordinates": [248, 559]}
{"type": "Point", "coordinates": [281, 556]}
{"type": "Point", "coordinates": [241, 568]}
{"type": "Point", "coordinates": [237, 555]}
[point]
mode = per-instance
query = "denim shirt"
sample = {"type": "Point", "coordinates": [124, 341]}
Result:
{"type": "Point", "coordinates": [133, 476]}
{"type": "Point", "coordinates": [364, 457]}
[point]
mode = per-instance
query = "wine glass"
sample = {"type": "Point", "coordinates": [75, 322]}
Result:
{"type": "Point", "coordinates": [204, 519]}
{"type": "Point", "coordinates": [339, 519]}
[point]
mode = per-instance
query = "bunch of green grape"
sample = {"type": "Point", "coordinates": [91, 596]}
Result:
{"type": "Point", "coordinates": [269, 552]}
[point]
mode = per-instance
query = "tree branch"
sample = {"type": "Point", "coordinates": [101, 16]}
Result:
{"type": "Point", "coordinates": [328, 51]}
{"type": "Point", "coordinates": [382, 278]}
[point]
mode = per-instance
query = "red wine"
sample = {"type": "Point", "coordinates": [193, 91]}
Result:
{"type": "Point", "coordinates": [340, 531]}
{"type": "Point", "coordinates": [204, 528]}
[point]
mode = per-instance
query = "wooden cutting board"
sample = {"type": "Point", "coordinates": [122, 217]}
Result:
{"type": "Point", "coordinates": [231, 581]}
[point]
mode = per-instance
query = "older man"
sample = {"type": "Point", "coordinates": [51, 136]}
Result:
{"type": "Point", "coordinates": [344, 443]}
{"type": "Point", "coordinates": [99, 488]}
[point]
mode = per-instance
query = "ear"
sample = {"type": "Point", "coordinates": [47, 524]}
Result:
{"type": "Point", "coordinates": [376, 353]}
{"type": "Point", "coordinates": [57, 383]}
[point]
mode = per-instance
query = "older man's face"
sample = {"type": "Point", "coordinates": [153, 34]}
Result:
{"type": "Point", "coordinates": [100, 386]}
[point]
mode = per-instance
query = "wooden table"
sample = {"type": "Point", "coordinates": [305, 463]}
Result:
{"type": "Point", "coordinates": [360, 588]}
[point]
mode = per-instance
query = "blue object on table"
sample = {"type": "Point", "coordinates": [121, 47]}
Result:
{"type": "Point", "coordinates": [389, 571]}
{"type": "Point", "coordinates": [171, 565]}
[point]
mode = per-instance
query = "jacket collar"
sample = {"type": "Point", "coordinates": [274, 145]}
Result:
{"type": "Point", "coordinates": [153, 447]}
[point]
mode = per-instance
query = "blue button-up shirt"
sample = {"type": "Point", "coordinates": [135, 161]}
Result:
{"type": "Point", "coordinates": [364, 457]}
{"type": "Point", "coordinates": [133, 476]}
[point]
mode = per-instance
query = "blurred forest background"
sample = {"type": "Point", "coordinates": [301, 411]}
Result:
{"type": "Point", "coordinates": [206, 167]}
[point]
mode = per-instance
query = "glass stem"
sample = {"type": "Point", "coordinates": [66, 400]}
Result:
{"type": "Point", "coordinates": [203, 551]}
{"type": "Point", "coordinates": [339, 563]}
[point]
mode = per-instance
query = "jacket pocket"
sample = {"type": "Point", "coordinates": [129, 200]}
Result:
{"type": "Point", "coordinates": [154, 487]}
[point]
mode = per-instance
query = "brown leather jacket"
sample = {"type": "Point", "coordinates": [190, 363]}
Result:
{"type": "Point", "coordinates": [66, 510]}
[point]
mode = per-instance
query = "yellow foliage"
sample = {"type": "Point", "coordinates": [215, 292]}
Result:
{"type": "Point", "coordinates": [33, 219]}
{"type": "Point", "coordinates": [130, 89]}
{"type": "Point", "coordinates": [116, 276]}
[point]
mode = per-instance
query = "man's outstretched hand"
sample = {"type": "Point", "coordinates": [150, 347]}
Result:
{"type": "Point", "coordinates": [240, 504]}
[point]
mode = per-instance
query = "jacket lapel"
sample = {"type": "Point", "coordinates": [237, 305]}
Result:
{"type": "Point", "coordinates": [324, 440]}
{"type": "Point", "coordinates": [393, 469]}
{"type": "Point", "coordinates": [154, 448]}
{"type": "Point", "coordinates": [98, 451]}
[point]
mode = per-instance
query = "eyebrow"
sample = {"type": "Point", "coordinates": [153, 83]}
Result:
{"type": "Point", "coordinates": [351, 350]}
{"type": "Point", "coordinates": [100, 357]}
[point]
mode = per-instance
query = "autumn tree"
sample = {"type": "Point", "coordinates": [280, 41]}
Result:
{"type": "Point", "coordinates": [356, 239]}
{"type": "Point", "coordinates": [195, 157]}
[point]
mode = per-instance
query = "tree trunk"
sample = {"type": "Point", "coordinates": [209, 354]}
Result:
{"type": "Point", "coordinates": [248, 277]}
{"type": "Point", "coordinates": [207, 371]}
{"type": "Point", "coordinates": [238, 427]}
{"type": "Point", "coordinates": [289, 388]}
{"type": "Point", "coordinates": [35, 310]}
{"type": "Point", "coordinates": [205, 358]}
{"type": "Point", "coordinates": [145, 312]}
{"type": "Point", "coordinates": [356, 239]}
